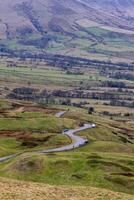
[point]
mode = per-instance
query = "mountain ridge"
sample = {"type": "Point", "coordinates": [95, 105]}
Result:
{"type": "Point", "coordinates": [19, 13]}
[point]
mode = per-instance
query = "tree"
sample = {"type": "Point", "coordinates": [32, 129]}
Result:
{"type": "Point", "coordinates": [90, 110]}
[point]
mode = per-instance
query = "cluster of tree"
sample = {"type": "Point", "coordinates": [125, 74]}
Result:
{"type": "Point", "coordinates": [114, 84]}
{"type": "Point", "coordinates": [120, 75]}
{"type": "Point", "coordinates": [122, 103]}
{"type": "Point", "coordinates": [25, 90]}
{"type": "Point", "coordinates": [81, 104]}
{"type": "Point", "coordinates": [89, 95]}
{"type": "Point", "coordinates": [74, 72]}
{"type": "Point", "coordinates": [66, 61]}
{"type": "Point", "coordinates": [26, 93]}
{"type": "Point", "coordinates": [117, 114]}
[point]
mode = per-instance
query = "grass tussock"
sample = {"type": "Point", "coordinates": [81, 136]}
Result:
{"type": "Point", "coordinates": [27, 164]}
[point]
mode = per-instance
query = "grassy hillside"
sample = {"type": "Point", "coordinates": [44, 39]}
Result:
{"type": "Point", "coordinates": [105, 162]}
{"type": "Point", "coordinates": [30, 128]}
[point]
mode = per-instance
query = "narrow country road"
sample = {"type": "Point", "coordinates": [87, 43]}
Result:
{"type": "Point", "coordinates": [77, 141]}
{"type": "Point", "coordinates": [60, 114]}
{"type": "Point", "coordinates": [9, 157]}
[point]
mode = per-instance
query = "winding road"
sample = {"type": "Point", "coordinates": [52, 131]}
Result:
{"type": "Point", "coordinates": [77, 141]}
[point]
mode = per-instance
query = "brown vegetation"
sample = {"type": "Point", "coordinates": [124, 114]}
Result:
{"type": "Point", "coordinates": [15, 190]}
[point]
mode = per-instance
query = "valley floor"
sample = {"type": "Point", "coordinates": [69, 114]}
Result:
{"type": "Point", "coordinates": [16, 190]}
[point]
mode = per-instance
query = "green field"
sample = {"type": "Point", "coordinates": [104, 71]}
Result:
{"type": "Point", "coordinates": [40, 77]}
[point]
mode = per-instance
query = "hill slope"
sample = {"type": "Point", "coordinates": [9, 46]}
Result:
{"type": "Point", "coordinates": [67, 27]}
{"type": "Point", "coordinates": [15, 190]}
{"type": "Point", "coordinates": [41, 15]}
